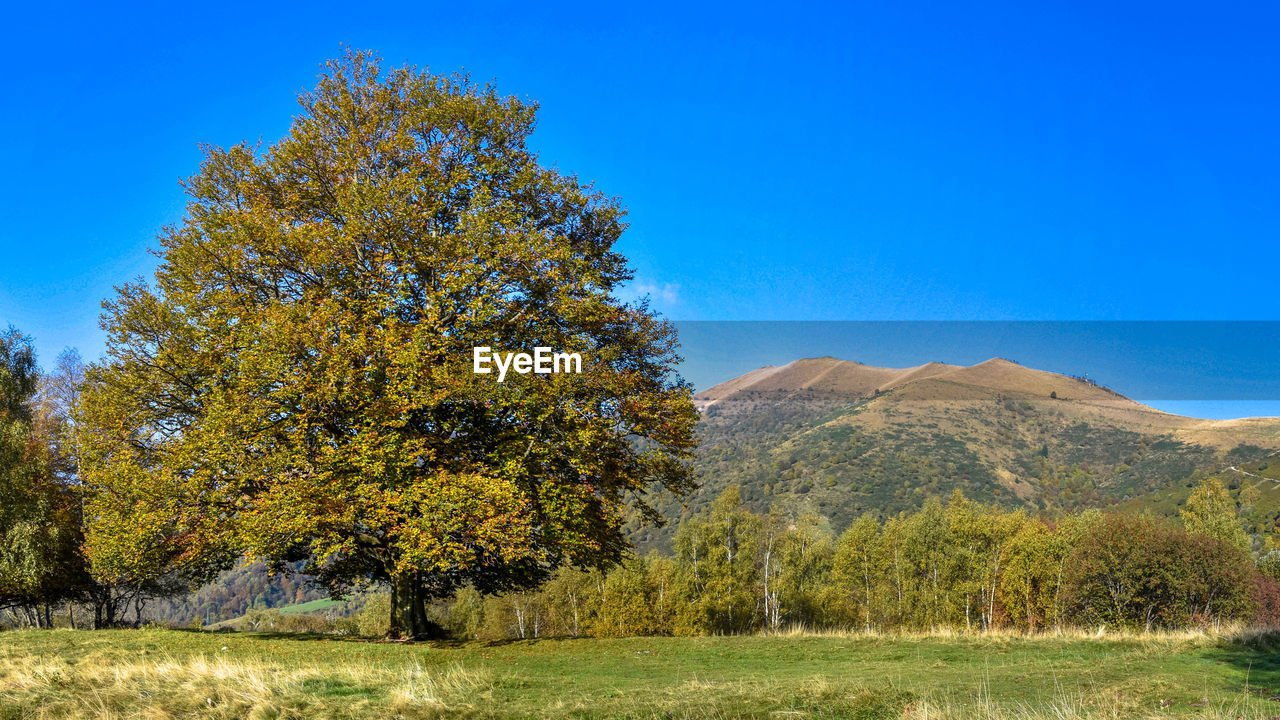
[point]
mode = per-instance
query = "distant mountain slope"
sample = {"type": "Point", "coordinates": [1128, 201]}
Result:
{"type": "Point", "coordinates": [246, 586]}
{"type": "Point", "coordinates": [1255, 486]}
{"type": "Point", "coordinates": [842, 438]}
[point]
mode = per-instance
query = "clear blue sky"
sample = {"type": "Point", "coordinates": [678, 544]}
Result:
{"type": "Point", "coordinates": [889, 160]}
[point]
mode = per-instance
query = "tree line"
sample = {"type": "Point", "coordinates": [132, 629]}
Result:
{"type": "Point", "coordinates": [958, 566]}
{"type": "Point", "coordinates": [48, 563]}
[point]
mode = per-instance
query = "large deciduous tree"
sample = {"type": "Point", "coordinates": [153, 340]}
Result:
{"type": "Point", "coordinates": [297, 382]}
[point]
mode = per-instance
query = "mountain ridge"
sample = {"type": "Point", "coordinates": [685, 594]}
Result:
{"type": "Point", "coordinates": [850, 377]}
{"type": "Point", "coordinates": [840, 438]}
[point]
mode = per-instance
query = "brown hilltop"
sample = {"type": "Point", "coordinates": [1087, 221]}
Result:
{"type": "Point", "coordinates": [998, 374]}
{"type": "Point", "coordinates": [931, 393]}
{"type": "Point", "coordinates": [845, 377]}
{"type": "Point", "coordinates": [824, 374]}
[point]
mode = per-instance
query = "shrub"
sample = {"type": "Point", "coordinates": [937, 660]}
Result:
{"type": "Point", "coordinates": [465, 619]}
{"type": "Point", "coordinates": [1266, 602]}
{"type": "Point", "coordinates": [1136, 572]}
{"type": "Point", "coordinates": [374, 619]}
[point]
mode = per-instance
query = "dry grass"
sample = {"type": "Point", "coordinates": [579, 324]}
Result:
{"type": "Point", "coordinates": [422, 687]}
{"type": "Point", "coordinates": [226, 687]}
{"type": "Point", "coordinates": [794, 674]}
{"type": "Point", "coordinates": [1231, 633]}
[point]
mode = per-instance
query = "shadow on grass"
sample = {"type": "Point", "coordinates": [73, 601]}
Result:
{"type": "Point", "coordinates": [323, 637]}
{"type": "Point", "coordinates": [1257, 658]}
{"type": "Point", "coordinates": [436, 643]}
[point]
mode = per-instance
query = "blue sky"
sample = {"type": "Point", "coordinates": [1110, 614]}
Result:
{"type": "Point", "coordinates": [884, 161]}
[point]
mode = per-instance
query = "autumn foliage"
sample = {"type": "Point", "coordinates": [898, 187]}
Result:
{"type": "Point", "coordinates": [297, 382]}
{"type": "Point", "coordinates": [961, 566]}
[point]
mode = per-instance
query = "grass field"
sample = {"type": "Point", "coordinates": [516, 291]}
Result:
{"type": "Point", "coordinates": [172, 674]}
{"type": "Point", "coordinates": [310, 607]}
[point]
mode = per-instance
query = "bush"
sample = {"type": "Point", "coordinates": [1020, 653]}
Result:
{"type": "Point", "coordinates": [374, 619]}
{"type": "Point", "coordinates": [1139, 573]}
{"type": "Point", "coordinates": [465, 619]}
{"type": "Point", "coordinates": [1266, 602]}
{"type": "Point", "coordinates": [1269, 564]}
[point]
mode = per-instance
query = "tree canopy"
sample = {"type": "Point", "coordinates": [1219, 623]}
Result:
{"type": "Point", "coordinates": [297, 382]}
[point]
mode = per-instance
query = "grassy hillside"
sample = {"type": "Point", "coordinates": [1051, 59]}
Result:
{"type": "Point", "coordinates": [316, 616]}
{"type": "Point", "coordinates": [310, 607]}
{"type": "Point", "coordinates": [1255, 486]}
{"type": "Point", "coordinates": [842, 439]}
{"type": "Point", "coordinates": [68, 674]}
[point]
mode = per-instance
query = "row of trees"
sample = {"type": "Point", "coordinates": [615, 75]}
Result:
{"type": "Point", "coordinates": [38, 527]}
{"type": "Point", "coordinates": [51, 557]}
{"type": "Point", "coordinates": [960, 566]}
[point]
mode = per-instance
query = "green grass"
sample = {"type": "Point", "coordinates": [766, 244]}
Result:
{"type": "Point", "coordinates": [172, 674]}
{"type": "Point", "coordinates": [309, 607]}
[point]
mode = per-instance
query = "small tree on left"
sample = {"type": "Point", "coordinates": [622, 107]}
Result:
{"type": "Point", "coordinates": [40, 563]}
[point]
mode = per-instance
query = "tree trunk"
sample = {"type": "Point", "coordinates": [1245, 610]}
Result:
{"type": "Point", "coordinates": [409, 610]}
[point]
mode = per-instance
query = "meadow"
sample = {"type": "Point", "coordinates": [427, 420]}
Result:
{"type": "Point", "coordinates": [177, 674]}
